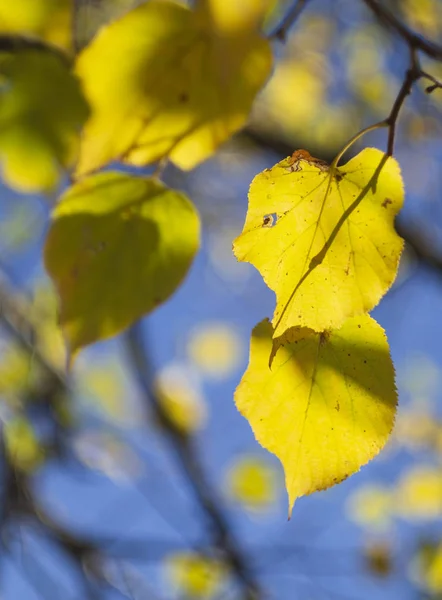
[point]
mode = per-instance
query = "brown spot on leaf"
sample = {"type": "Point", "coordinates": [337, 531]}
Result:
{"type": "Point", "coordinates": [386, 202]}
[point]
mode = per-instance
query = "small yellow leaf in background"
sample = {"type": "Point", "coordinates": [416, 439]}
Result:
{"type": "Point", "coordinates": [326, 259]}
{"type": "Point", "coordinates": [196, 576]}
{"type": "Point", "coordinates": [426, 568]}
{"type": "Point", "coordinates": [50, 20]}
{"type": "Point", "coordinates": [118, 247]}
{"type": "Point", "coordinates": [41, 113]}
{"type": "Point", "coordinates": [17, 373]}
{"type": "Point", "coordinates": [215, 348]}
{"type": "Point", "coordinates": [371, 506]}
{"type": "Point", "coordinates": [23, 448]}
{"type": "Point", "coordinates": [181, 397]}
{"type": "Point", "coordinates": [418, 495]}
{"type": "Point", "coordinates": [252, 482]}
{"type": "Point", "coordinates": [416, 430]}
{"type": "Point", "coordinates": [139, 115]}
{"type": "Point", "coordinates": [327, 404]}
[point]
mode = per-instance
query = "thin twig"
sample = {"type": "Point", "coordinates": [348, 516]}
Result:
{"type": "Point", "coordinates": [414, 40]}
{"type": "Point", "coordinates": [436, 83]}
{"type": "Point", "coordinates": [280, 33]}
{"type": "Point", "coordinates": [412, 75]}
{"type": "Point", "coordinates": [186, 455]}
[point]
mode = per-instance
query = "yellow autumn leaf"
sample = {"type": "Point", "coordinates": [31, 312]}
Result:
{"type": "Point", "coordinates": [252, 482]}
{"type": "Point", "coordinates": [118, 246]}
{"type": "Point", "coordinates": [139, 115]}
{"type": "Point", "coordinates": [418, 495]}
{"type": "Point", "coordinates": [324, 242]}
{"type": "Point", "coordinates": [41, 113]}
{"type": "Point", "coordinates": [50, 20]}
{"type": "Point", "coordinates": [196, 576]}
{"type": "Point", "coordinates": [326, 405]}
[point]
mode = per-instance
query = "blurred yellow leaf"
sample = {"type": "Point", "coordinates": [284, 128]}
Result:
{"type": "Point", "coordinates": [415, 429]}
{"type": "Point", "coordinates": [41, 113]}
{"type": "Point", "coordinates": [327, 404]}
{"type": "Point", "coordinates": [428, 567]}
{"type": "Point", "coordinates": [16, 371]}
{"type": "Point", "coordinates": [118, 246]}
{"type": "Point", "coordinates": [371, 506]}
{"type": "Point", "coordinates": [105, 385]}
{"type": "Point", "coordinates": [181, 398]}
{"type": "Point", "coordinates": [50, 20]}
{"type": "Point", "coordinates": [138, 114]}
{"type": "Point", "coordinates": [418, 494]}
{"type": "Point", "coordinates": [196, 576]}
{"type": "Point", "coordinates": [324, 242]}
{"type": "Point", "coordinates": [215, 349]}
{"type": "Point", "coordinates": [252, 482]}
{"type": "Point", "coordinates": [43, 312]}
{"type": "Point", "coordinates": [23, 448]}
{"type": "Point", "coordinates": [424, 15]}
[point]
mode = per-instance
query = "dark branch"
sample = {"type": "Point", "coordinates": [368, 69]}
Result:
{"type": "Point", "coordinates": [414, 40]}
{"type": "Point", "coordinates": [280, 33]}
{"type": "Point", "coordinates": [187, 457]}
{"type": "Point", "coordinates": [412, 75]}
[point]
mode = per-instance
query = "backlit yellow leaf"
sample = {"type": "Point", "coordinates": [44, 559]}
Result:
{"type": "Point", "coordinates": [325, 243]}
{"type": "Point", "coordinates": [41, 113]}
{"type": "Point", "coordinates": [327, 404]}
{"type": "Point", "coordinates": [118, 247]}
{"type": "Point", "coordinates": [166, 81]}
{"type": "Point", "coordinates": [195, 576]}
{"type": "Point", "coordinates": [50, 20]}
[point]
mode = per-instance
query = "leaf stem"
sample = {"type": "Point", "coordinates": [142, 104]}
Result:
{"type": "Point", "coordinates": [354, 139]}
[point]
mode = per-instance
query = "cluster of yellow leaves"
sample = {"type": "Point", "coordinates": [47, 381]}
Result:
{"type": "Point", "coordinates": [161, 81]}
{"type": "Point", "coordinates": [319, 390]}
{"type": "Point", "coordinates": [215, 61]}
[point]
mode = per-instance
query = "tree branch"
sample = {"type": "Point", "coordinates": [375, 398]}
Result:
{"type": "Point", "coordinates": [280, 33]}
{"type": "Point", "coordinates": [385, 16]}
{"type": "Point", "coordinates": [411, 76]}
{"type": "Point", "coordinates": [187, 457]}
